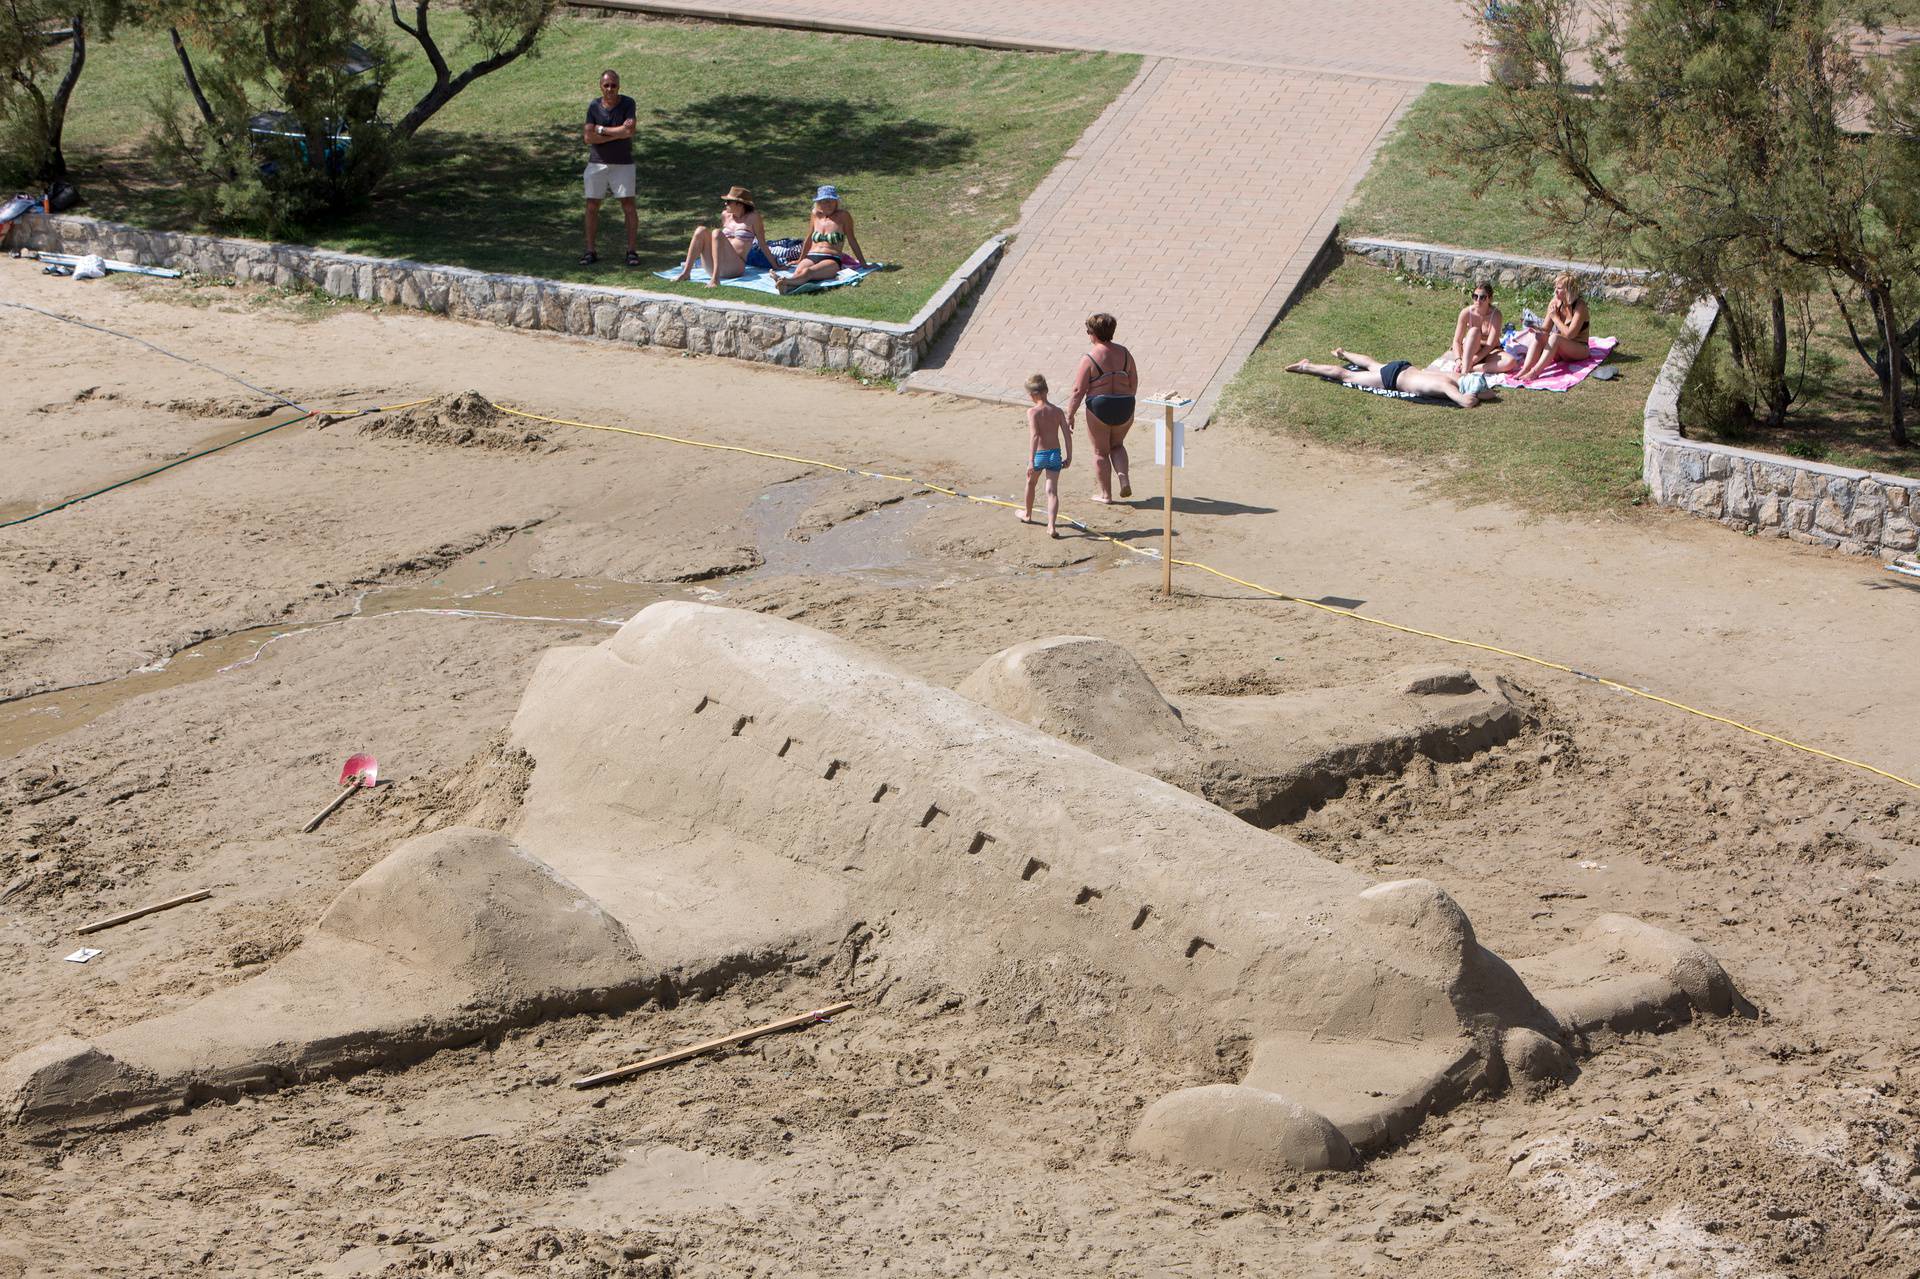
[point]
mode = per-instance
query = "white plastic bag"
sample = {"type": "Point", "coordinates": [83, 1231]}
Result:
{"type": "Point", "coordinates": [90, 267]}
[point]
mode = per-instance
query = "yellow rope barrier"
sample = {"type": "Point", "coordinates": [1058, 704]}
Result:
{"type": "Point", "coordinates": [1241, 581]}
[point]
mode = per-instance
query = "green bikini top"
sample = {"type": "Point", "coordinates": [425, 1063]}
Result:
{"type": "Point", "coordinates": [828, 237]}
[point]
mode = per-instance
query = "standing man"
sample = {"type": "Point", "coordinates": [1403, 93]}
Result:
{"type": "Point", "coordinates": [609, 138]}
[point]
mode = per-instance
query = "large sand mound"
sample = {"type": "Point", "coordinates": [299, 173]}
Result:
{"type": "Point", "coordinates": [467, 420]}
{"type": "Point", "coordinates": [717, 793]}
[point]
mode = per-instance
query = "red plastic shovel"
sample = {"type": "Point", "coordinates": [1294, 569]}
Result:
{"type": "Point", "coordinates": [359, 770]}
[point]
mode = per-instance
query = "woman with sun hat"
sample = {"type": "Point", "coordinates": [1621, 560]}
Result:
{"type": "Point", "coordinates": [741, 241]}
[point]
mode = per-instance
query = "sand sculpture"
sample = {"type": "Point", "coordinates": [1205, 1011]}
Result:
{"type": "Point", "coordinates": [1268, 759]}
{"type": "Point", "coordinates": [717, 793]}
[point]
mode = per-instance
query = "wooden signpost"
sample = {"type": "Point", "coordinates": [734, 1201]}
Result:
{"type": "Point", "coordinates": [1169, 451]}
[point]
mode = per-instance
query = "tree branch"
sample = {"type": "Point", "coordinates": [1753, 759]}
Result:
{"type": "Point", "coordinates": [1852, 332]}
{"type": "Point", "coordinates": [445, 89]}
{"type": "Point", "coordinates": [55, 166]}
{"type": "Point", "coordinates": [393, 7]}
{"type": "Point", "coordinates": [193, 81]}
{"type": "Point", "coordinates": [421, 33]}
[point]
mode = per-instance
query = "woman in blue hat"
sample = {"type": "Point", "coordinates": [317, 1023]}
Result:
{"type": "Point", "coordinates": [830, 243]}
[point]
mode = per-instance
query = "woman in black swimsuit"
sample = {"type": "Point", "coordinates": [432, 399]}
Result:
{"type": "Point", "coordinates": [1106, 380]}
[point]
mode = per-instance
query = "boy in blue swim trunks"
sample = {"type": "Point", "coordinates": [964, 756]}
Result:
{"type": "Point", "coordinates": [1050, 446]}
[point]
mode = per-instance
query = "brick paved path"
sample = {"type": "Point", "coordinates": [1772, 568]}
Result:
{"type": "Point", "coordinates": [1194, 205]}
{"type": "Point", "coordinates": [1415, 40]}
{"type": "Point", "coordinates": [1191, 212]}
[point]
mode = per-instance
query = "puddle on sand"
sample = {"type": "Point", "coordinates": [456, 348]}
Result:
{"type": "Point", "coordinates": [471, 588]}
{"type": "Point", "coordinates": [874, 547]}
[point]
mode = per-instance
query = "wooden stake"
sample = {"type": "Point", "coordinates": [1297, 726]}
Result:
{"type": "Point", "coordinates": [1166, 540]}
{"type": "Point", "coordinates": [738, 1037]}
{"type": "Point", "coordinates": [327, 812]}
{"type": "Point", "coordinates": [126, 916]}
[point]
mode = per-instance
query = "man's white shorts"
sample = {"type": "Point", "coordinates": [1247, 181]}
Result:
{"type": "Point", "coordinates": [609, 180]}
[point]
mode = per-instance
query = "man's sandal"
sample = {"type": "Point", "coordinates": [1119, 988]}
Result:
{"type": "Point", "coordinates": [633, 258]}
{"type": "Point", "coordinates": [589, 258]}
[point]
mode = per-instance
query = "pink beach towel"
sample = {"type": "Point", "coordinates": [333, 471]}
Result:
{"type": "Point", "coordinates": [1561, 377]}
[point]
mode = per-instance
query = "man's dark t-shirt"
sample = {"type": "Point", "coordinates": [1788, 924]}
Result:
{"type": "Point", "coordinates": [620, 150]}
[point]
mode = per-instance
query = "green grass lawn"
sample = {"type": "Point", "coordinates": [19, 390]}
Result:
{"type": "Point", "coordinates": [933, 148]}
{"type": "Point", "coordinates": [1579, 451]}
{"type": "Point", "coordinates": [1414, 192]}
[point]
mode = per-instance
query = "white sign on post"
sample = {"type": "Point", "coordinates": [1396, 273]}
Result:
{"type": "Point", "coordinates": [1179, 443]}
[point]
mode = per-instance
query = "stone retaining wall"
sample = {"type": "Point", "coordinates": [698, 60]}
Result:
{"type": "Point", "coordinates": [738, 330]}
{"type": "Point", "coordinates": [1860, 512]}
{"type": "Point", "coordinates": [1507, 270]}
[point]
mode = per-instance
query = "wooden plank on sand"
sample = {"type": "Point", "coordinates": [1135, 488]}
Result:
{"type": "Point", "coordinates": [126, 916]}
{"type": "Point", "coordinates": [711, 1045]}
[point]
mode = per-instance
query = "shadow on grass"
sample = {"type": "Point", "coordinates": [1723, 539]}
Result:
{"type": "Point", "coordinates": [782, 148]}
{"type": "Point", "coordinates": [513, 202]}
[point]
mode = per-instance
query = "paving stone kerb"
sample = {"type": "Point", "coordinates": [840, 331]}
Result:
{"type": "Point", "coordinates": [636, 317]}
{"type": "Point", "coordinates": [1507, 270]}
{"type": "Point", "coordinates": [1859, 512]}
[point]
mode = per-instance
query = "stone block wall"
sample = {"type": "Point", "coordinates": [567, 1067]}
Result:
{"type": "Point", "coordinates": [1859, 512]}
{"type": "Point", "coordinates": [635, 317]}
{"type": "Point", "coordinates": [1508, 271]}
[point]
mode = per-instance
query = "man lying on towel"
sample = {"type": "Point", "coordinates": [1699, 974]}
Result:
{"type": "Point", "coordinates": [1397, 378]}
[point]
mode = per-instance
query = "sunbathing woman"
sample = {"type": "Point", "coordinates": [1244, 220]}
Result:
{"type": "Point", "coordinates": [741, 242]}
{"type": "Point", "coordinates": [1106, 380]}
{"type": "Point", "coordinates": [828, 233]}
{"type": "Point", "coordinates": [1395, 375]}
{"type": "Point", "coordinates": [1476, 338]}
{"type": "Point", "coordinates": [1564, 336]}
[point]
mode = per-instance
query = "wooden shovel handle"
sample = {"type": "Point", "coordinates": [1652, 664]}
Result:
{"type": "Point", "coordinates": [327, 812]}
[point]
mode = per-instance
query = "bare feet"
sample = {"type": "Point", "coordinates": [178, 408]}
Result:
{"type": "Point", "coordinates": [1300, 366]}
{"type": "Point", "coordinates": [1054, 533]}
{"type": "Point", "coordinates": [1104, 501]}
{"type": "Point", "coordinates": [1126, 489]}
{"type": "Point", "coordinates": [683, 277]}
{"type": "Point", "coordinates": [1025, 517]}
{"type": "Point", "coordinates": [781, 283]}
{"type": "Point", "coordinates": [1343, 357]}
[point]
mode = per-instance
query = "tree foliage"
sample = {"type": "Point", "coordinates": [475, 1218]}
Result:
{"type": "Point", "coordinates": [43, 50]}
{"type": "Point", "coordinates": [501, 30]}
{"type": "Point", "coordinates": [323, 66]}
{"type": "Point", "coordinates": [1745, 148]}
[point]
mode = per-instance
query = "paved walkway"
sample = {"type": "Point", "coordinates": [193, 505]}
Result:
{"type": "Point", "coordinates": [1190, 213]}
{"type": "Point", "coordinates": [1194, 206]}
{"type": "Point", "coordinates": [1418, 41]}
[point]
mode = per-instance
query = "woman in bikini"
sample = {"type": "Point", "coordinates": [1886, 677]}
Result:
{"type": "Point", "coordinates": [1476, 337]}
{"type": "Point", "coordinates": [1106, 380]}
{"type": "Point", "coordinates": [740, 243]}
{"type": "Point", "coordinates": [1564, 336]}
{"type": "Point", "coordinates": [831, 243]}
